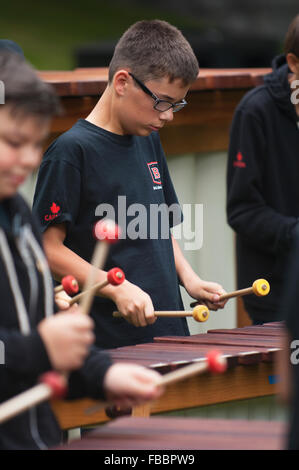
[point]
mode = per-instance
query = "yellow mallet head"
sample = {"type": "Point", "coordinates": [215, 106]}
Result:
{"type": "Point", "coordinates": [201, 313]}
{"type": "Point", "coordinates": [261, 287]}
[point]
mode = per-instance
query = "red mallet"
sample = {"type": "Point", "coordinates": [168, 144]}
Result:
{"type": "Point", "coordinates": [57, 383]}
{"type": "Point", "coordinates": [69, 284]}
{"type": "Point", "coordinates": [214, 362]}
{"type": "Point", "coordinates": [52, 385]}
{"type": "Point", "coordinates": [115, 277]}
{"type": "Point", "coordinates": [107, 233]}
{"type": "Point", "coordinates": [106, 230]}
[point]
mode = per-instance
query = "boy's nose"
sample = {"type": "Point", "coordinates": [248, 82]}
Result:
{"type": "Point", "coordinates": [31, 157]}
{"type": "Point", "coordinates": [167, 115]}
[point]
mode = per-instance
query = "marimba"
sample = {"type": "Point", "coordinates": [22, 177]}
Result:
{"type": "Point", "coordinates": [158, 433]}
{"type": "Point", "coordinates": [250, 353]}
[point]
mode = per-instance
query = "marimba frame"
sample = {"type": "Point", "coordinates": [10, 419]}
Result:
{"type": "Point", "coordinates": [247, 377]}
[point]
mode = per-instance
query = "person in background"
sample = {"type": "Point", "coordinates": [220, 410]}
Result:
{"type": "Point", "coordinates": [262, 179]}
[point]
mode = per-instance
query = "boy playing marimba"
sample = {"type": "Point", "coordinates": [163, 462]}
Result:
{"type": "Point", "coordinates": [112, 160]}
{"type": "Point", "coordinates": [32, 339]}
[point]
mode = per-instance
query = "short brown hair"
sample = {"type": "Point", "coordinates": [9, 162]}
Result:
{"type": "Point", "coordinates": [24, 91]}
{"type": "Point", "coordinates": [155, 49]}
{"type": "Point", "coordinates": [291, 43]}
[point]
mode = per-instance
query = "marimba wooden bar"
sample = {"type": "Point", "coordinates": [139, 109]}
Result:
{"type": "Point", "coordinates": [250, 353]}
{"type": "Point", "coordinates": [183, 434]}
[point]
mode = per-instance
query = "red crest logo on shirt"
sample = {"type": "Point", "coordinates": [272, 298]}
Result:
{"type": "Point", "coordinates": [239, 161]}
{"type": "Point", "coordinates": [154, 171]}
{"type": "Point", "coordinates": [54, 209]}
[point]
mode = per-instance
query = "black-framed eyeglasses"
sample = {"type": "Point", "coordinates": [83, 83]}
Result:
{"type": "Point", "coordinates": [160, 105]}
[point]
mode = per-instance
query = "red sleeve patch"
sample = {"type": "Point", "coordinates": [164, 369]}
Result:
{"type": "Point", "coordinates": [239, 161]}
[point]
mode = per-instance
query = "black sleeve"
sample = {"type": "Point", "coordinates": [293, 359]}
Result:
{"type": "Point", "coordinates": [247, 211]}
{"type": "Point", "coordinates": [24, 355]}
{"type": "Point", "coordinates": [57, 192]}
{"type": "Point", "coordinates": [88, 381]}
{"type": "Point", "coordinates": [290, 295]}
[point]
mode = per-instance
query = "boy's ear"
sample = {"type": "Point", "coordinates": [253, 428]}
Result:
{"type": "Point", "coordinates": [293, 62]}
{"type": "Point", "coordinates": [120, 81]}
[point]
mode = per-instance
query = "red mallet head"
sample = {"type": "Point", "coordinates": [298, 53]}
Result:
{"type": "Point", "coordinates": [56, 382]}
{"type": "Point", "coordinates": [106, 230]}
{"type": "Point", "coordinates": [70, 285]}
{"type": "Point", "coordinates": [115, 276]}
{"type": "Point", "coordinates": [216, 362]}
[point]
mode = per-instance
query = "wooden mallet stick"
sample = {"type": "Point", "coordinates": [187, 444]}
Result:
{"type": "Point", "coordinates": [260, 287]}
{"type": "Point", "coordinates": [107, 233]}
{"type": "Point", "coordinates": [52, 385]}
{"type": "Point", "coordinates": [200, 313]}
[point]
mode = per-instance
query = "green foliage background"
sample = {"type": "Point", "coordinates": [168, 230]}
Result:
{"type": "Point", "coordinates": [49, 31]}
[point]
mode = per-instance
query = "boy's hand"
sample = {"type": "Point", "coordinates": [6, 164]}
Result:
{"type": "Point", "coordinates": [67, 337]}
{"type": "Point", "coordinates": [135, 305]}
{"type": "Point", "coordinates": [206, 292]}
{"type": "Point", "coordinates": [62, 300]}
{"type": "Point", "coordinates": [128, 385]}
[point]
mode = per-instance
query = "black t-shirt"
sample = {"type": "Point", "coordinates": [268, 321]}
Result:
{"type": "Point", "coordinates": [262, 186]}
{"type": "Point", "coordinates": [89, 173]}
{"type": "Point", "coordinates": [4, 216]}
